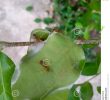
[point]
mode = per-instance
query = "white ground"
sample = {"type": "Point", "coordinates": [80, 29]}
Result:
{"type": "Point", "coordinates": [16, 24]}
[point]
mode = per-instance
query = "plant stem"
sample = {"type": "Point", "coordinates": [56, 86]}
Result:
{"type": "Point", "coordinates": [14, 44]}
{"type": "Point", "coordinates": [4, 44]}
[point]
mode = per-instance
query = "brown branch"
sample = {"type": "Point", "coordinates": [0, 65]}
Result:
{"type": "Point", "coordinates": [4, 44]}
{"type": "Point", "coordinates": [14, 44]}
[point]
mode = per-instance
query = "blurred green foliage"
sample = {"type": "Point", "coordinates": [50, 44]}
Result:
{"type": "Point", "coordinates": [84, 12]}
{"type": "Point", "coordinates": [37, 20]}
{"type": "Point", "coordinates": [29, 8]}
{"type": "Point", "coordinates": [76, 14]}
{"type": "Point", "coordinates": [48, 20]}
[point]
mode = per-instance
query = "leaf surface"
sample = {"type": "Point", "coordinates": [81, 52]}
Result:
{"type": "Point", "coordinates": [57, 64]}
{"type": "Point", "coordinates": [86, 91]}
{"type": "Point", "coordinates": [58, 95]}
{"type": "Point", "coordinates": [6, 71]}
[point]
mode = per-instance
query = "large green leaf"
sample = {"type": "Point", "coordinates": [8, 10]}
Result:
{"type": "Point", "coordinates": [6, 71]}
{"type": "Point", "coordinates": [86, 91]}
{"type": "Point", "coordinates": [57, 64]}
{"type": "Point", "coordinates": [58, 95]}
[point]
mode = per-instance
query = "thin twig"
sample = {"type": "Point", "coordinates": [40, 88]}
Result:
{"type": "Point", "coordinates": [14, 44]}
{"type": "Point", "coordinates": [92, 78]}
{"type": "Point", "coordinates": [89, 79]}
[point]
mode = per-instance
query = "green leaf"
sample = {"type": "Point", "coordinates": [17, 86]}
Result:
{"type": "Point", "coordinates": [58, 95]}
{"type": "Point", "coordinates": [29, 8]}
{"type": "Point", "coordinates": [92, 67]}
{"type": "Point", "coordinates": [48, 20]}
{"type": "Point", "coordinates": [99, 89]}
{"type": "Point", "coordinates": [86, 91]}
{"type": "Point", "coordinates": [6, 71]}
{"type": "Point", "coordinates": [38, 20]}
{"type": "Point", "coordinates": [73, 94]}
{"type": "Point", "coordinates": [57, 64]}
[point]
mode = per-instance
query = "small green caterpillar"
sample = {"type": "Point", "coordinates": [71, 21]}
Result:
{"type": "Point", "coordinates": [40, 34]}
